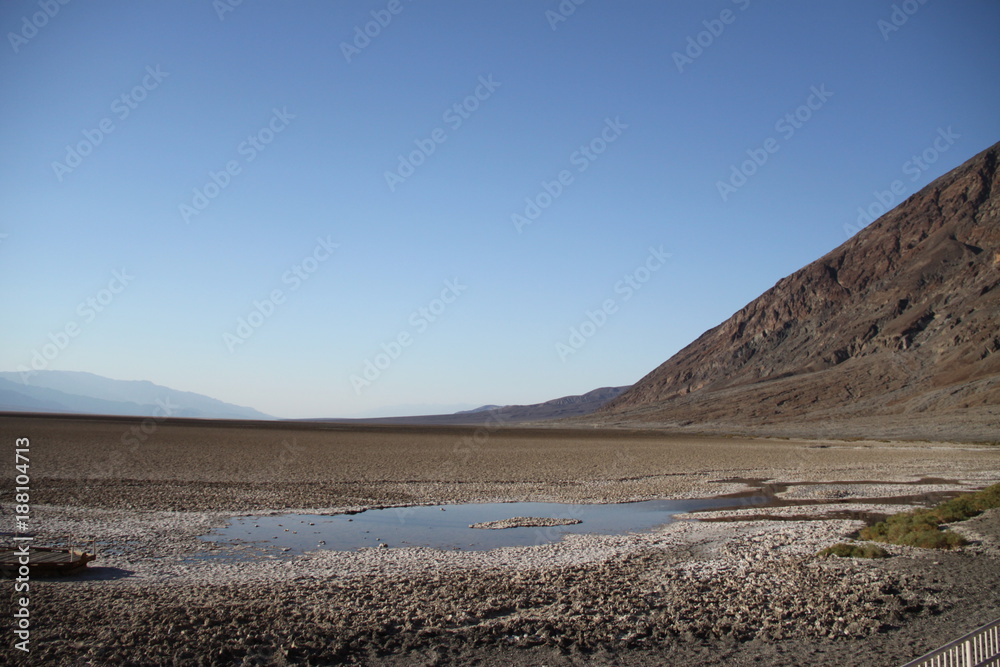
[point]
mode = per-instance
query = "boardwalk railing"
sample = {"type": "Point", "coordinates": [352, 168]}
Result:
{"type": "Point", "coordinates": [979, 648]}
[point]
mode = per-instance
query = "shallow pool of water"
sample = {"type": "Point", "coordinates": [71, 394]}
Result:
{"type": "Point", "coordinates": [447, 526]}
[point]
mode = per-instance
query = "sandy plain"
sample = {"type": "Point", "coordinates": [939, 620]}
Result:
{"type": "Point", "coordinates": [743, 587]}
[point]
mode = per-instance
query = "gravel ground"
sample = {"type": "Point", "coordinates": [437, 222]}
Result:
{"type": "Point", "coordinates": [744, 588]}
{"type": "Point", "coordinates": [843, 491]}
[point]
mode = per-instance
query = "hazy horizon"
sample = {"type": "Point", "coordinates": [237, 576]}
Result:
{"type": "Point", "coordinates": [470, 204]}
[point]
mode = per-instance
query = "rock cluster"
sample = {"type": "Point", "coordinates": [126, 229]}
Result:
{"type": "Point", "coordinates": [524, 522]}
{"type": "Point", "coordinates": [636, 601]}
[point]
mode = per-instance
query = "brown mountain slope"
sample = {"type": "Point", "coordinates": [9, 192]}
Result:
{"type": "Point", "coordinates": [496, 415]}
{"type": "Point", "coordinates": [896, 333]}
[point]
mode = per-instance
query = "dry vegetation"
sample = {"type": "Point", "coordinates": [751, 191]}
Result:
{"type": "Point", "coordinates": [922, 528]}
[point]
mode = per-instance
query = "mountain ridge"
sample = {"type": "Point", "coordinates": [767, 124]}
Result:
{"type": "Point", "coordinates": [898, 324]}
{"type": "Point", "coordinates": [80, 392]}
{"type": "Point", "coordinates": [564, 407]}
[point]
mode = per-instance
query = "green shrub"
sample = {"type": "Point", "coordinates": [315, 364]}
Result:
{"type": "Point", "coordinates": [844, 550]}
{"type": "Point", "coordinates": [941, 539]}
{"type": "Point", "coordinates": [921, 528]}
{"type": "Point", "coordinates": [959, 509]}
{"type": "Point", "coordinates": [988, 498]}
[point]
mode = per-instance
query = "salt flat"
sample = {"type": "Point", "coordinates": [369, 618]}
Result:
{"type": "Point", "coordinates": [697, 592]}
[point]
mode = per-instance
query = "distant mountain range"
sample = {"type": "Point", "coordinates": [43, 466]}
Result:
{"type": "Point", "coordinates": [896, 333]}
{"type": "Point", "coordinates": [482, 408]}
{"type": "Point", "coordinates": [559, 408]}
{"type": "Point", "coordinates": [74, 392]}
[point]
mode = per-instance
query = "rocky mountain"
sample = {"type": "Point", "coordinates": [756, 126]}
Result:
{"type": "Point", "coordinates": [481, 408]}
{"type": "Point", "coordinates": [896, 333]}
{"type": "Point", "coordinates": [73, 392]}
{"type": "Point", "coordinates": [558, 408]}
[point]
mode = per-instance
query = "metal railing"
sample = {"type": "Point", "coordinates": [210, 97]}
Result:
{"type": "Point", "coordinates": [979, 648]}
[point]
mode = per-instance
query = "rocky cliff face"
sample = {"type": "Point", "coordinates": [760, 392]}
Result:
{"type": "Point", "coordinates": [898, 327]}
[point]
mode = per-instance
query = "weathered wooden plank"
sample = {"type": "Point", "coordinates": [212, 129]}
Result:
{"type": "Point", "coordinates": [40, 556]}
{"type": "Point", "coordinates": [51, 557]}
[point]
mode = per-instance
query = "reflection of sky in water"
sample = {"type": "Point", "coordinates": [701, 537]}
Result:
{"type": "Point", "coordinates": [447, 526]}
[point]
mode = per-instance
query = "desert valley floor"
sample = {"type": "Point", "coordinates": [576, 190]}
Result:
{"type": "Point", "coordinates": [737, 587]}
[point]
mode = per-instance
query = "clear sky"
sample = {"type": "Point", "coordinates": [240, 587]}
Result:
{"type": "Point", "coordinates": [438, 192]}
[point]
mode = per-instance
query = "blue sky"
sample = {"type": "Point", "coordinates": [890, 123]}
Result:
{"type": "Point", "coordinates": [474, 202]}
